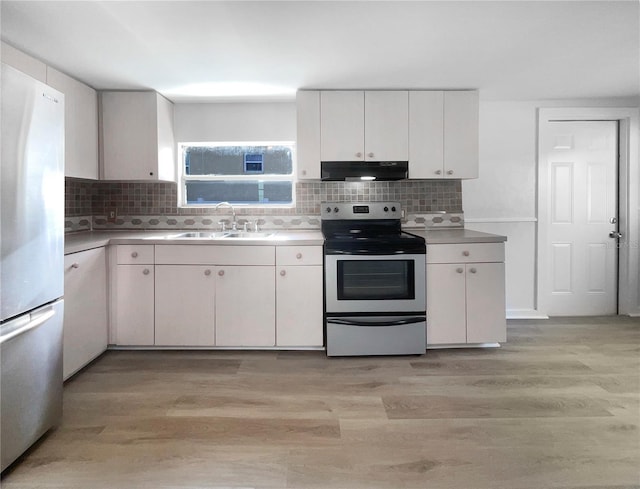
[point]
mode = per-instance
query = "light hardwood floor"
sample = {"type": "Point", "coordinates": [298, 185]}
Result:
{"type": "Point", "coordinates": [558, 406]}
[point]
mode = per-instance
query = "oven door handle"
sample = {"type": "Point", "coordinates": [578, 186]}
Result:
{"type": "Point", "coordinates": [398, 322]}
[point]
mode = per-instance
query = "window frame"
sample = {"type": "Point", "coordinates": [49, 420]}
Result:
{"type": "Point", "coordinates": [183, 178]}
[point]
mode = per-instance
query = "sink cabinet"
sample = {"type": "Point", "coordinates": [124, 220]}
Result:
{"type": "Point", "coordinates": [85, 308]}
{"type": "Point", "coordinates": [465, 294]}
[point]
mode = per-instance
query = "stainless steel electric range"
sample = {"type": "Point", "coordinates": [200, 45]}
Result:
{"type": "Point", "coordinates": [374, 281]}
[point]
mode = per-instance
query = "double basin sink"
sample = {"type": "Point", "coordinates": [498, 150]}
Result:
{"type": "Point", "coordinates": [222, 235]}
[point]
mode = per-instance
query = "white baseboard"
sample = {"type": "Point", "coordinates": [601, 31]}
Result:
{"type": "Point", "coordinates": [525, 314]}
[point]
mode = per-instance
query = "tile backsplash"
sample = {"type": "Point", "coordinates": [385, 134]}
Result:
{"type": "Point", "coordinates": [154, 204]}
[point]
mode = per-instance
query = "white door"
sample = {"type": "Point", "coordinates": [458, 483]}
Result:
{"type": "Point", "coordinates": [386, 125]}
{"type": "Point", "coordinates": [342, 125]}
{"type": "Point", "coordinates": [581, 180]}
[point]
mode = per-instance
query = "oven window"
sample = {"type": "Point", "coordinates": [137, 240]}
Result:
{"type": "Point", "coordinates": [374, 280]}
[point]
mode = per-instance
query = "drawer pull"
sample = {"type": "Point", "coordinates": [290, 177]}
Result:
{"type": "Point", "coordinates": [207, 272]}
{"type": "Point", "coordinates": [145, 271]}
{"type": "Point", "coordinates": [465, 253]}
{"type": "Point", "coordinates": [282, 273]}
{"type": "Point", "coordinates": [221, 273]}
{"type": "Point", "coordinates": [75, 265]}
{"type": "Point", "coordinates": [473, 270]}
{"type": "Point", "coordinates": [134, 254]}
{"type": "Point", "coordinates": [459, 270]}
{"type": "Point", "coordinates": [299, 256]}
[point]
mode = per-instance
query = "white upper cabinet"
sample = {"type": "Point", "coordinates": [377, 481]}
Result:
{"type": "Point", "coordinates": [342, 126]}
{"type": "Point", "coordinates": [137, 136]}
{"type": "Point", "coordinates": [386, 129]}
{"type": "Point", "coordinates": [308, 134]}
{"type": "Point", "coordinates": [23, 62]}
{"type": "Point", "coordinates": [443, 134]}
{"type": "Point", "coordinates": [364, 125]}
{"type": "Point", "coordinates": [81, 125]}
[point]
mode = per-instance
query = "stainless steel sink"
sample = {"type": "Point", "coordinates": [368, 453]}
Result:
{"type": "Point", "coordinates": [197, 235]}
{"type": "Point", "coordinates": [248, 235]}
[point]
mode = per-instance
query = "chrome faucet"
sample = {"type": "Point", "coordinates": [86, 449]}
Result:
{"type": "Point", "coordinates": [234, 225]}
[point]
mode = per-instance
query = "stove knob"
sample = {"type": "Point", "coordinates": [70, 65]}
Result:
{"type": "Point", "coordinates": [393, 209]}
{"type": "Point", "coordinates": [386, 209]}
{"type": "Point", "coordinates": [328, 209]}
{"type": "Point", "coordinates": [335, 209]}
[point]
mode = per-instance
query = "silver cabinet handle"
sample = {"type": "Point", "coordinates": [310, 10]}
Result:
{"type": "Point", "coordinates": [304, 172]}
{"type": "Point", "coordinates": [207, 272]}
{"type": "Point", "coordinates": [359, 154]}
{"type": "Point", "coordinates": [465, 253]}
{"type": "Point", "coordinates": [221, 273]}
{"type": "Point", "coordinates": [449, 172]}
{"type": "Point", "coordinates": [75, 265]}
{"type": "Point", "coordinates": [459, 270]}
{"type": "Point", "coordinates": [370, 155]}
{"type": "Point", "coordinates": [473, 270]}
{"type": "Point", "coordinates": [145, 271]}
{"type": "Point", "coordinates": [282, 273]}
{"type": "Point", "coordinates": [438, 172]}
{"type": "Point", "coordinates": [299, 256]}
{"type": "Point", "coordinates": [134, 254]}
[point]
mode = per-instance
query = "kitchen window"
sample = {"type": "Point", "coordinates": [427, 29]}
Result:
{"type": "Point", "coordinates": [257, 174]}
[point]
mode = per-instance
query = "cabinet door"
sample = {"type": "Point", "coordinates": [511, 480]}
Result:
{"type": "Point", "coordinates": [486, 321]}
{"type": "Point", "coordinates": [85, 308]}
{"type": "Point", "coordinates": [130, 135]}
{"type": "Point", "coordinates": [461, 134]}
{"type": "Point", "coordinates": [342, 125]}
{"type": "Point", "coordinates": [386, 125]}
{"type": "Point", "coordinates": [299, 308]}
{"type": "Point", "coordinates": [446, 316]}
{"type": "Point", "coordinates": [308, 134]}
{"type": "Point", "coordinates": [245, 306]}
{"type": "Point", "coordinates": [134, 303]}
{"type": "Point", "coordinates": [81, 125]}
{"type": "Point", "coordinates": [426, 132]}
{"type": "Point", "coordinates": [184, 305]}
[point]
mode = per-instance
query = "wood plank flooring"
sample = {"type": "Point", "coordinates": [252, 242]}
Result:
{"type": "Point", "coordinates": [558, 406]}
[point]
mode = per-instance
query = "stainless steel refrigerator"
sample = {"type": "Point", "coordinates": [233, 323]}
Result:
{"type": "Point", "coordinates": [32, 261]}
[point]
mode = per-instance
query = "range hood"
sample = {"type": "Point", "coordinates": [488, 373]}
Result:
{"type": "Point", "coordinates": [364, 170]}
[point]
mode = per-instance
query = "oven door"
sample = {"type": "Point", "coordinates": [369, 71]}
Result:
{"type": "Point", "coordinates": [375, 283]}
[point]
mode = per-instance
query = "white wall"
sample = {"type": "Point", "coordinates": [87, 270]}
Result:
{"type": "Point", "coordinates": [503, 199]}
{"type": "Point", "coordinates": [235, 122]}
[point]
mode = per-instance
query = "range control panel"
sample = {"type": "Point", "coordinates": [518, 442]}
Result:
{"type": "Point", "coordinates": [361, 210]}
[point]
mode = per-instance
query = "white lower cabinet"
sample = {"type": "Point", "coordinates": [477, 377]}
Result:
{"type": "Point", "coordinates": [245, 306]}
{"type": "Point", "coordinates": [85, 308]}
{"type": "Point", "coordinates": [134, 304]}
{"type": "Point", "coordinates": [299, 293]}
{"type": "Point", "coordinates": [184, 305]}
{"type": "Point", "coordinates": [465, 298]}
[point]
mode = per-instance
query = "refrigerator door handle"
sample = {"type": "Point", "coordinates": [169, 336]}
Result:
{"type": "Point", "coordinates": [36, 320]}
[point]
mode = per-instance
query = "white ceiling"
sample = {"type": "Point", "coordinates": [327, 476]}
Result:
{"type": "Point", "coordinates": [509, 50]}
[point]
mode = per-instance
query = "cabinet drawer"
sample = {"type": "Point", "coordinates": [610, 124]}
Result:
{"type": "Point", "coordinates": [298, 255]}
{"type": "Point", "coordinates": [214, 255]}
{"type": "Point", "coordinates": [134, 254]}
{"type": "Point", "coordinates": [465, 253]}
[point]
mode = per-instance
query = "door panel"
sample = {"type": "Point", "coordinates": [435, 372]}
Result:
{"type": "Point", "coordinates": [582, 181]}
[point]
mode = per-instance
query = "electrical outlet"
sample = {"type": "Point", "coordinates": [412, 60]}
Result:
{"type": "Point", "coordinates": [112, 214]}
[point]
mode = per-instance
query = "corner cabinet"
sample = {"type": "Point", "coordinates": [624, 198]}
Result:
{"type": "Point", "coordinates": [81, 125]}
{"type": "Point", "coordinates": [443, 134]}
{"type": "Point", "coordinates": [85, 309]}
{"type": "Point", "coordinates": [137, 136]}
{"type": "Point", "coordinates": [465, 294]}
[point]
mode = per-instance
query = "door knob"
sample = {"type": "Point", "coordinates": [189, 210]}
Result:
{"type": "Point", "coordinates": [615, 234]}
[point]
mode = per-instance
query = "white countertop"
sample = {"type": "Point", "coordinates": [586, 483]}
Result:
{"type": "Point", "coordinates": [85, 240]}
{"type": "Point", "coordinates": [452, 236]}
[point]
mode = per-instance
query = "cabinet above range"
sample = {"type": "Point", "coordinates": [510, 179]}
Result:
{"type": "Point", "coordinates": [435, 131]}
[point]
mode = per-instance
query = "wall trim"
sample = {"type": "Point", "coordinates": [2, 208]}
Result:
{"type": "Point", "coordinates": [525, 314]}
{"type": "Point", "coordinates": [500, 219]}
